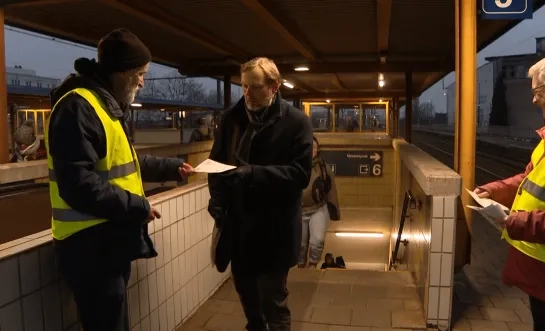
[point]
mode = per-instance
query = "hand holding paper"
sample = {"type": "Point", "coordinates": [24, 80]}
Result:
{"type": "Point", "coordinates": [211, 166]}
{"type": "Point", "coordinates": [490, 209]}
{"type": "Point", "coordinates": [485, 202]}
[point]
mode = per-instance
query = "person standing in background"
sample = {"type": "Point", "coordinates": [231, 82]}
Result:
{"type": "Point", "coordinates": [320, 204]}
{"type": "Point", "coordinates": [27, 144]}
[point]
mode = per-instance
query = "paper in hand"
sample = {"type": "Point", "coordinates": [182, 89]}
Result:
{"type": "Point", "coordinates": [490, 209]}
{"type": "Point", "coordinates": [211, 166]}
{"type": "Point", "coordinates": [485, 202]}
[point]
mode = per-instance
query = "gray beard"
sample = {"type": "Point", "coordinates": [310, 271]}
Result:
{"type": "Point", "coordinates": [260, 108]}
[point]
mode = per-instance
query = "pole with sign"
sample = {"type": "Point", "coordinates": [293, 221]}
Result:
{"type": "Point", "coordinates": [506, 9]}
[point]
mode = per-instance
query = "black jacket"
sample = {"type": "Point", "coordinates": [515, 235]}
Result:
{"type": "Point", "coordinates": [76, 142]}
{"type": "Point", "coordinates": [263, 219]}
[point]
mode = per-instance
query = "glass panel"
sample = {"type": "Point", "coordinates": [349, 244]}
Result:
{"type": "Point", "coordinates": [320, 116]}
{"type": "Point", "coordinates": [47, 113]}
{"type": "Point", "coordinates": [21, 117]}
{"type": "Point", "coordinates": [348, 117]}
{"type": "Point", "coordinates": [374, 118]}
{"type": "Point", "coordinates": [40, 115]}
{"type": "Point", "coordinates": [30, 115]}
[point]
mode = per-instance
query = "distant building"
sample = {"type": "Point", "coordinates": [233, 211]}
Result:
{"type": "Point", "coordinates": [524, 116]}
{"type": "Point", "coordinates": [440, 118]}
{"type": "Point", "coordinates": [18, 76]}
{"type": "Point", "coordinates": [486, 76]}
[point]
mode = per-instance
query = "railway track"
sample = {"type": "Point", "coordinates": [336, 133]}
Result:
{"type": "Point", "coordinates": [489, 166]}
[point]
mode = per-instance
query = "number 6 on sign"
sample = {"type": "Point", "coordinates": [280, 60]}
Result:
{"type": "Point", "coordinates": [503, 3]}
{"type": "Point", "coordinates": [377, 169]}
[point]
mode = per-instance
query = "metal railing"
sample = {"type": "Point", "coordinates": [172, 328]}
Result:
{"type": "Point", "coordinates": [406, 203]}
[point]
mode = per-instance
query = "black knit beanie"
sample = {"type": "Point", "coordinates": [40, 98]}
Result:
{"type": "Point", "coordinates": [122, 51]}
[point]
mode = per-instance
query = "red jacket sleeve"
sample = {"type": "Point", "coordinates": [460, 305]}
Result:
{"type": "Point", "coordinates": [527, 226]}
{"type": "Point", "coordinates": [505, 190]}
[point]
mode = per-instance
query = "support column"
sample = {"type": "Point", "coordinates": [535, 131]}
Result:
{"type": "Point", "coordinates": [397, 118]}
{"type": "Point", "coordinates": [408, 105]}
{"type": "Point", "coordinates": [297, 104]}
{"type": "Point", "coordinates": [226, 91]}
{"type": "Point", "coordinates": [465, 120]}
{"type": "Point", "coordinates": [181, 116]}
{"type": "Point", "coordinates": [13, 125]}
{"type": "Point", "coordinates": [394, 109]}
{"type": "Point", "coordinates": [4, 132]}
{"type": "Point", "coordinates": [218, 91]}
{"type": "Point", "coordinates": [390, 124]}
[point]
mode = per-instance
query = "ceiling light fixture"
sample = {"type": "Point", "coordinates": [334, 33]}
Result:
{"type": "Point", "coordinates": [136, 104]}
{"type": "Point", "coordinates": [288, 85]}
{"type": "Point", "coordinates": [301, 68]}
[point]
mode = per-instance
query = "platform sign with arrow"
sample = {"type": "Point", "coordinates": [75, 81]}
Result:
{"type": "Point", "coordinates": [354, 163]}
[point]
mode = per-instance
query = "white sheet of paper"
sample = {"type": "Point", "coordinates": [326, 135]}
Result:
{"type": "Point", "coordinates": [484, 202]}
{"type": "Point", "coordinates": [490, 213]}
{"type": "Point", "coordinates": [211, 166]}
{"type": "Point", "coordinates": [494, 211]}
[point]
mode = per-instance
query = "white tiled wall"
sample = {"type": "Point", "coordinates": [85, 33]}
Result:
{"type": "Point", "coordinates": [443, 234]}
{"type": "Point", "coordinates": [163, 292]}
{"type": "Point", "coordinates": [31, 295]}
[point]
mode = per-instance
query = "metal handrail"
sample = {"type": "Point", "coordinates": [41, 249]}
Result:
{"type": "Point", "coordinates": [406, 201]}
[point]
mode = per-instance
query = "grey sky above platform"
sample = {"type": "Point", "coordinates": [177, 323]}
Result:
{"type": "Point", "coordinates": [519, 40]}
{"type": "Point", "coordinates": [54, 58]}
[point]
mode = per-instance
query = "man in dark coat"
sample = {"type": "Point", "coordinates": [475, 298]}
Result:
{"type": "Point", "coordinates": [95, 261]}
{"type": "Point", "coordinates": [257, 206]}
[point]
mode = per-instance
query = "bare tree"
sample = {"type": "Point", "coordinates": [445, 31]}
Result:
{"type": "Point", "coordinates": [150, 87]}
{"type": "Point", "coordinates": [212, 97]}
{"type": "Point", "coordinates": [173, 86]}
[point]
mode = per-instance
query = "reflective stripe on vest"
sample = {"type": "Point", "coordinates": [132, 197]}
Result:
{"type": "Point", "coordinates": [117, 171]}
{"type": "Point", "coordinates": [531, 196]}
{"type": "Point", "coordinates": [119, 167]}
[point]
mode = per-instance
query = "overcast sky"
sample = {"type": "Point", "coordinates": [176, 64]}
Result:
{"type": "Point", "coordinates": [53, 58]}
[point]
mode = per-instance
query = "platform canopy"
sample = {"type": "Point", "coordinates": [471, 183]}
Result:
{"type": "Point", "coordinates": [344, 44]}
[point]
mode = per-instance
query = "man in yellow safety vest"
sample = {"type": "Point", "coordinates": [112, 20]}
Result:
{"type": "Point", "coordinates": [99, 210]}
{"type": "Point", "coordinates": [524, 228]}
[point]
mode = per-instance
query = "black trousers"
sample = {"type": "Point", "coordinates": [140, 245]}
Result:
{"type": "Point", "coordinates": [100, 291]}
{"type": "Point", "coordinates": [264, 298]}
{"type": "Point", "coordinates": [538, 313]}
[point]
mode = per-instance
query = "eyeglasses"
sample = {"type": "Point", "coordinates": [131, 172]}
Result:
{"type": "Point", "coordinates": [537, 90]}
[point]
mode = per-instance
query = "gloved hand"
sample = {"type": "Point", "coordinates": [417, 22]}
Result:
{"type": "Point", "coordinates": [241, 176]}
{"type": "Point", "coordinates": [215, 211]}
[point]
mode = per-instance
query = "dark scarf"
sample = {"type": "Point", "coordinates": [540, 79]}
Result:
{"type": "Point", "coordinates": [257, 119]}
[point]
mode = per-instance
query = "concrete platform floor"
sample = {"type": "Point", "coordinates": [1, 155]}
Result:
{"type": "Point", "coordinates": [332, 300]}
{"type": "Point", "coordinates": [481, 301]}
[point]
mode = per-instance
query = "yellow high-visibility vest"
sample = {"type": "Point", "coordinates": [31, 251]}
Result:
{"type": "Point", "coordinates": [119, 167]}
{"type": "Point", "coordinates": [531, 196]}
